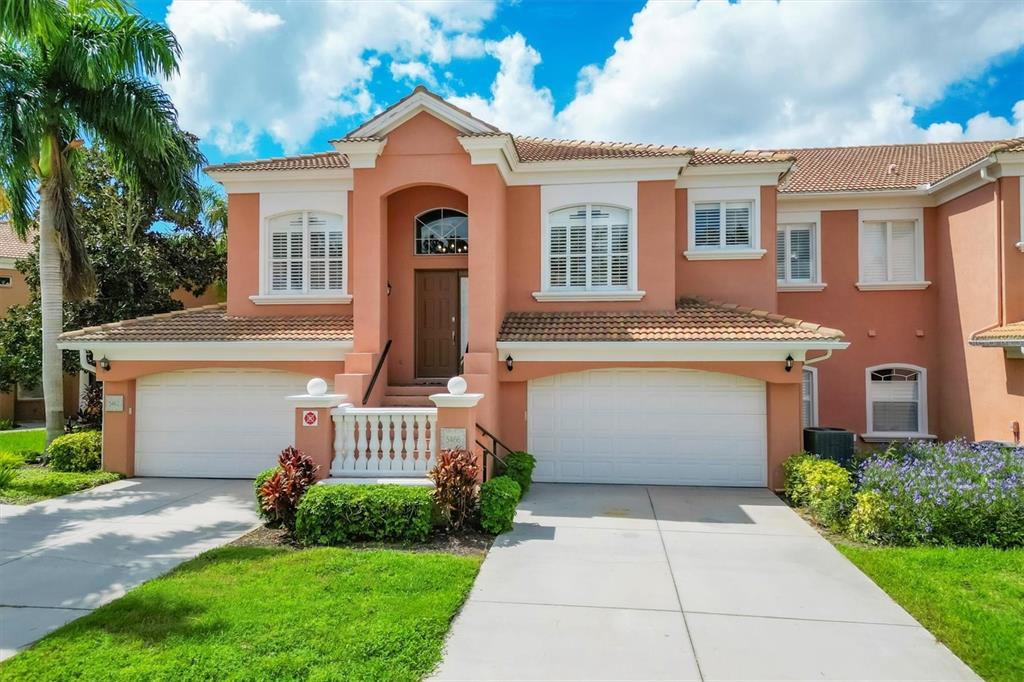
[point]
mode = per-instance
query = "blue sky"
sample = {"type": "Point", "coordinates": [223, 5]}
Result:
{"type": "Point", "coordinates": [266, 78]}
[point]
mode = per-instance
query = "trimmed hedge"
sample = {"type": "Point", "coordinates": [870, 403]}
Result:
{"type": "Point", "coordinates": [822, 486]}
{"type": "Point", "coordinates": [519, 467]}
{"type": "Point", "coordinates": [794, 471]}
{"type": "Point", "coordinates": [76, 451]}
{"type": "Point", "coordinates": [498, 499]}
{"type": "Point", "coordinates": [338, 514]}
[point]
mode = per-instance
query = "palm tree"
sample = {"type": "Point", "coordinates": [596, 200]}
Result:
{"type": "Point", "coordinates": [74, 69]}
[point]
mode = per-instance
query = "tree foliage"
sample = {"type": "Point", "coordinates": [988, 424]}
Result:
{"type": "Point", "coordinates": [140, 254]}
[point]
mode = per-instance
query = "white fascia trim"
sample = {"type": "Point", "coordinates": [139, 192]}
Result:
{"type": "Point", "coordinates": [548, 296]}
{"type": "Point", "coordinates": [500, 150]}
{"type": "Point", "coordinates": [415, 104]}
{"type": "Point", "coordinates": [809, 286]}
{"type": "Point", "coordinates": [731, 176]}
{"type": "Point", "coordinates": [360, 153]}
{"type": "Point", "coordinates": [213, 350]}
{"type": "Point", "coordinates": [724, 254]}
{"type": "Point", "coordinates": [893, 286]}
{"type": "Point", "coordinates": [7, 262]}
{"type": "Point", "coordinates": [273, 299]}
{"type": "Point", "coordinates": [238, 178]}
{"type": "Point", "coordinates": [961, 174]}
{"type": "Point", "coordinates": [660, 351]}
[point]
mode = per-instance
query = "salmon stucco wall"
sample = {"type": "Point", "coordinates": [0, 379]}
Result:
{"type": "Point", "coordinates": [403, 207]}
{"type": "Point", "coordinates": [882, 327]}
{"type": "Point", "coordinates": [746, 282]}
{"type": "Point", "coordinates": [16, 294]}
{"type": "Point", "coordinates": [982, 391]}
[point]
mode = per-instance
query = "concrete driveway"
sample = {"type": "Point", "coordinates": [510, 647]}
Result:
{"type": "Point", "coordinates": [62, 558]}
{"type": "Point", "coordinates": [670, 583]}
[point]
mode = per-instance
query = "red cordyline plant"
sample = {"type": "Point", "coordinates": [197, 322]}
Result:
{"type": "Point", "coordinates": [456, 488]}
{"type": "Point", "coordinates": [281, 494]}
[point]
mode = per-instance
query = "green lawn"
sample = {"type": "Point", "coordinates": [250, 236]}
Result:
{"type": "Point", "coordinates": [970, 598]}
{"type": "Point", "coordinates": [16, 440]}
{"type": "Point", "coordinates": [267, 614]}
{"type": "Point", "coordinates": [35, 483]}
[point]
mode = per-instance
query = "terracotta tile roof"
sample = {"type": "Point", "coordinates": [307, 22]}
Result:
{"type": "Point", "coordinates": [1011, 334]}
{"type": "Point", "coordinates": [418, 88]}
{"type": "Point", "coordinates": [532, 149]}
{"type": "Point", "coordinates": [300, 162]}
{"type": "Point", "coordinates": [707, 156]}
{"type": "Point", "coordinates": [212, 323]}
{"type": "Point", "coordinates": [693, 320]}
{"type": "Point", "coordinates": [880, 167]}
{"type": "Point", "coordinates": [11, 245]}
{"type": "Point", "coordinates": [1014, 145]}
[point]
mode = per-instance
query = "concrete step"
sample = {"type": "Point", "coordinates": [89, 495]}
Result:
{"type": "Point", "coordinates": [407, 401]}
{"type": "Point", "coordinates": [414, 389]}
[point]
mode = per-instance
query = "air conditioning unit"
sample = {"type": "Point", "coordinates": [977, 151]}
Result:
{"type": "Point", "coordinates": [830, 442]}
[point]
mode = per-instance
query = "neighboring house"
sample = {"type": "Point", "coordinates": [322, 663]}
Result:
{"type": "Point", "coordinates": [631, 313]}
{"type": "Point", "coordinates": [25, 403]}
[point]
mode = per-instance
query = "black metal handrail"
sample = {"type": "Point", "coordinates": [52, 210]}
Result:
{"type": "Point", "coordinates": [488, 453]}
{"type": "Point", "coordinates": [376, 371]}
{"type": "Point", "coordinates": [492, 451]}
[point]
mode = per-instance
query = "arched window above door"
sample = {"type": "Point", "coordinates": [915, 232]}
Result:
{"type": "Point", "coordinates": [442, 231]}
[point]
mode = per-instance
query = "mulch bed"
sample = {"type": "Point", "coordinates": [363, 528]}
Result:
{"type": "Point", "coordinates": [466, 543]}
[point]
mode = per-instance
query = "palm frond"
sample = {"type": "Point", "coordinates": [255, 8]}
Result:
{"type": "Point", "coordinates": [30, 20]}
{"type": "Point", "coordinates": [21, 122]}
{"type": "Point", "coordinates": [79, 277]}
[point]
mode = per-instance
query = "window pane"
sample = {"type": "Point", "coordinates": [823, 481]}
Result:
{"type": "Point", "coordinates": [807, 393]}
{"type": "Point", "coordinates": [873, 253]}
{"type": "Point", "coordinates": [780, 254]}
{"type": "Point", "coordinates": [317, 275]}
{"type": "Point", "coordinates": [706, 225]}
{"type": "Point", "coordinates": [895, 400]}
{"type": "Point", "coordinates": [898, 417]}
{"type": "Point", "coordinates": [442, 231]}
{"type": "Point", "coordinates": [317, 244]}
{"type": "Point", "coordinates": [335, 279]}
{"type": "Point", "coordinates": [599, 273]}
{"type": "Point", "coordinates": [800, 256]}
{"type": "Point", "coordinates": [737, 224]}
{"type": "Point", "coordinates": [904, 251]}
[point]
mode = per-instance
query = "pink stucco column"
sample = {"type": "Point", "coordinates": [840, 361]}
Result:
{"type": "Point", "coordinates": [314, 427]}
{"type": "Point", "coordinates": [456, 418]}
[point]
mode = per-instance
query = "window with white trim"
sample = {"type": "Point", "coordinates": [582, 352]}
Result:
{"type": "Point", "coordinates": [589, 248]}
{"type": "Point", "coordinates": [809, 397]}
{"type": "Point", "coordinates": [306, 254]}
{"type": "Point", "coordinates": [723, 225]}
{"type": "Point", "coordinates": [5, 281]}
{"type": "Point", "coordinates": [896, 400]}
{"type": "Point", "coordinates": [891, 251]}
{"type": "Point", "coordinates": [796, 254]}
{"type": "Point", "coordinates": [442, 231]}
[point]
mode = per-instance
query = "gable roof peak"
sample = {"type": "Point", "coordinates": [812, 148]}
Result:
{"type": "Point", "coordinates": [419, 100]}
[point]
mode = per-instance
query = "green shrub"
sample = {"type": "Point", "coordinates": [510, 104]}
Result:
{"type": "Point", "coordinates": [519, 467]}
{"type": "Point", "coordinates": [337, 514]}
{"type": "Point", "coordinates": [498, 499]}
{"type": "Point", "coordinates": [829, 493]}
{"type": "Point", "coordinates": [12, 459]}
{"type": "Point", "coordinates": [795, 470]}
{"type": "Point", "coordinates": [76, 451]}
{"type": "Point", "coordinates": [9, 465]}
{"type": "Point", "coordinates": [870, 516]}
{"type": "Point", "coordinates": [257, 487]}
{"type": "Point", "coordinates": [455, 486]}
{"type": "Point", "coordinates": [281, 494]}
{"type": "Point", "coordinates": [6, 424]}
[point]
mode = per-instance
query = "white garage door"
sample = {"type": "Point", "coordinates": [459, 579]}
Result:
{"type": "Point", "coordinates": [213, 423]}
{"type": "Point", "coordinates": [662, 426]}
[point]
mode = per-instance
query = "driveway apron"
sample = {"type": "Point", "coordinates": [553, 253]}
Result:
{"type": "Point", "coordinates": [62, 558]}
{"type": "Point", "coordinates": [617, 582]}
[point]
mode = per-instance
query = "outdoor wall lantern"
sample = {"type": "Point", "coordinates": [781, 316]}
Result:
{"type": "Point", "coordinates": [104, 363]}
{"type": "Point", "coordinates": [508, 363]}
{"type": "Point", "coordinates": [789, 363]}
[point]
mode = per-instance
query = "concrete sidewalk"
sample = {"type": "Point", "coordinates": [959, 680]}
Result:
{"type": "Point", "coordinates": [62, 558]}
{"type": "Point", "coordinates": [669, 583]}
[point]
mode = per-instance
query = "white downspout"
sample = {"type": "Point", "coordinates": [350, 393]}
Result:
{"type": "Point", "coordinates": [826, 356]}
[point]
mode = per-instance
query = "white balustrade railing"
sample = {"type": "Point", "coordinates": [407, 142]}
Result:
{"type": "Point", "coordinates": [384, 441]}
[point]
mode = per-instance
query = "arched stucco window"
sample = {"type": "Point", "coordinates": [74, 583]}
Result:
{"type": "Point", "coordinates": [897, 401]}
{"type": "Point", "coordinates": [442, 231]}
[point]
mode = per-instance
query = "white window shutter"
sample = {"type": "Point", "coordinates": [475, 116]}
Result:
{"type": "Point", "coordinates": [780, 254]}
{"type": "Point", "coordinates": [707, 225]}
{"type": "Point", "coordinates": [808, 397]}
{"type": "Point", "coordinates": [903, 256]}
{"type": "Point", "coordinates": [737, 224]}
{"type": "Point", "coordinates": [873, 253]}
{"type": "Point", "coordinates": [589, 246]}
{"type": "Point", "coordinates": [801, 254]}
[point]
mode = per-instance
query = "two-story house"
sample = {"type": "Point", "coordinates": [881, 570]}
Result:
{"type": "Point", "coordinates": [631, 313]}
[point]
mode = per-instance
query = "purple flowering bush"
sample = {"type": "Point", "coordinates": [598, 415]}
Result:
{"type": "Point", "coordinates": [954, 493]}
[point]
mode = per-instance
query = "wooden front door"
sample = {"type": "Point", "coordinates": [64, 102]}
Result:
{"type": "Point", "coordinates": [437, 324]}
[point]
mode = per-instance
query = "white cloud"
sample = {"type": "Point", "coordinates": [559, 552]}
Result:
{"type": "Point", "coordinates": [286, 70]}
{"type": "Point", "coordinates": [412, 71]}
{"type": "Point", "coordinates": [761, 74]}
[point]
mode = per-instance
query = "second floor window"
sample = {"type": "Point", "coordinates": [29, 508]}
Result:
{"type": "Point", "coordinates": [890, 252]}
{"type": "Point", "coordinates": [723, 225]}
{"type": "Point", "coordinates": [589, 248]}
{"type": "Point", "coordinates": [796, 254]}
{"type": "Point", "coordinates": [306, 253]}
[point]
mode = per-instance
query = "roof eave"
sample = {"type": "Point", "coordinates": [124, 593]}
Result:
{"type": "Point", "coordinates": [281, 350]}
{"type": "Point", "coordinates": [663, 351]}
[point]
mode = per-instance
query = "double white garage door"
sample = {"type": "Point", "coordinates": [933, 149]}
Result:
{"type": "Point", "coordinates": [655, 426]}
{"type": "Point", "coordinates": [213, 423]}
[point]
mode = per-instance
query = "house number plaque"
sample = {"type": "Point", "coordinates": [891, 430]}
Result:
{"type": "Point", "coordinates": [453, 439]}
{"type": "Point", "coordinates": [115, 403]}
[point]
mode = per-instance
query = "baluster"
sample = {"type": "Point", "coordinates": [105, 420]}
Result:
{"type": "Point", "coordinates": [421, 442]}
{"type": "Point", "coordinates": [374, 442]}
{"type": "Point", "coordinates": [389, 439]}
{"type": "Point", "coordinates": [409, 445]}
{"type": "Point", "coordinates": [338, 462]}
{"type": "Point", "coordinates": [363, 438]}
{"type": "Point", "coordinates": [431, 440]}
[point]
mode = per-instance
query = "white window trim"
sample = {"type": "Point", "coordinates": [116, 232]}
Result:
{"type": "Point", "coordinates": [701, 195]}
{"type": "Point", "coordinates": [888, 216]}
{"type": "Point", "coordinates": [268, 297]}
{"type": "Point", "coordinates": [556, 197]}
{"type": "Point", "coordinates": [813, 218]}
{"type": "Point", "coordinates": [922, 405]}
{"type": "Point", "coordinates": [814, 395]}
{"type": "Point", "coordinates": [6, 281]}
{"type": "Point", "coordinates": [1020, 211]}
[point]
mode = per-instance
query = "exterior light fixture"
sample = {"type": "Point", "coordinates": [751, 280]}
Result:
{"type": "Point", "coordinates": [104, 363]}
{"type": "Point", "coordinates": [508, 363]}
{"type": "Point", "coordinates": [789, 363]}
